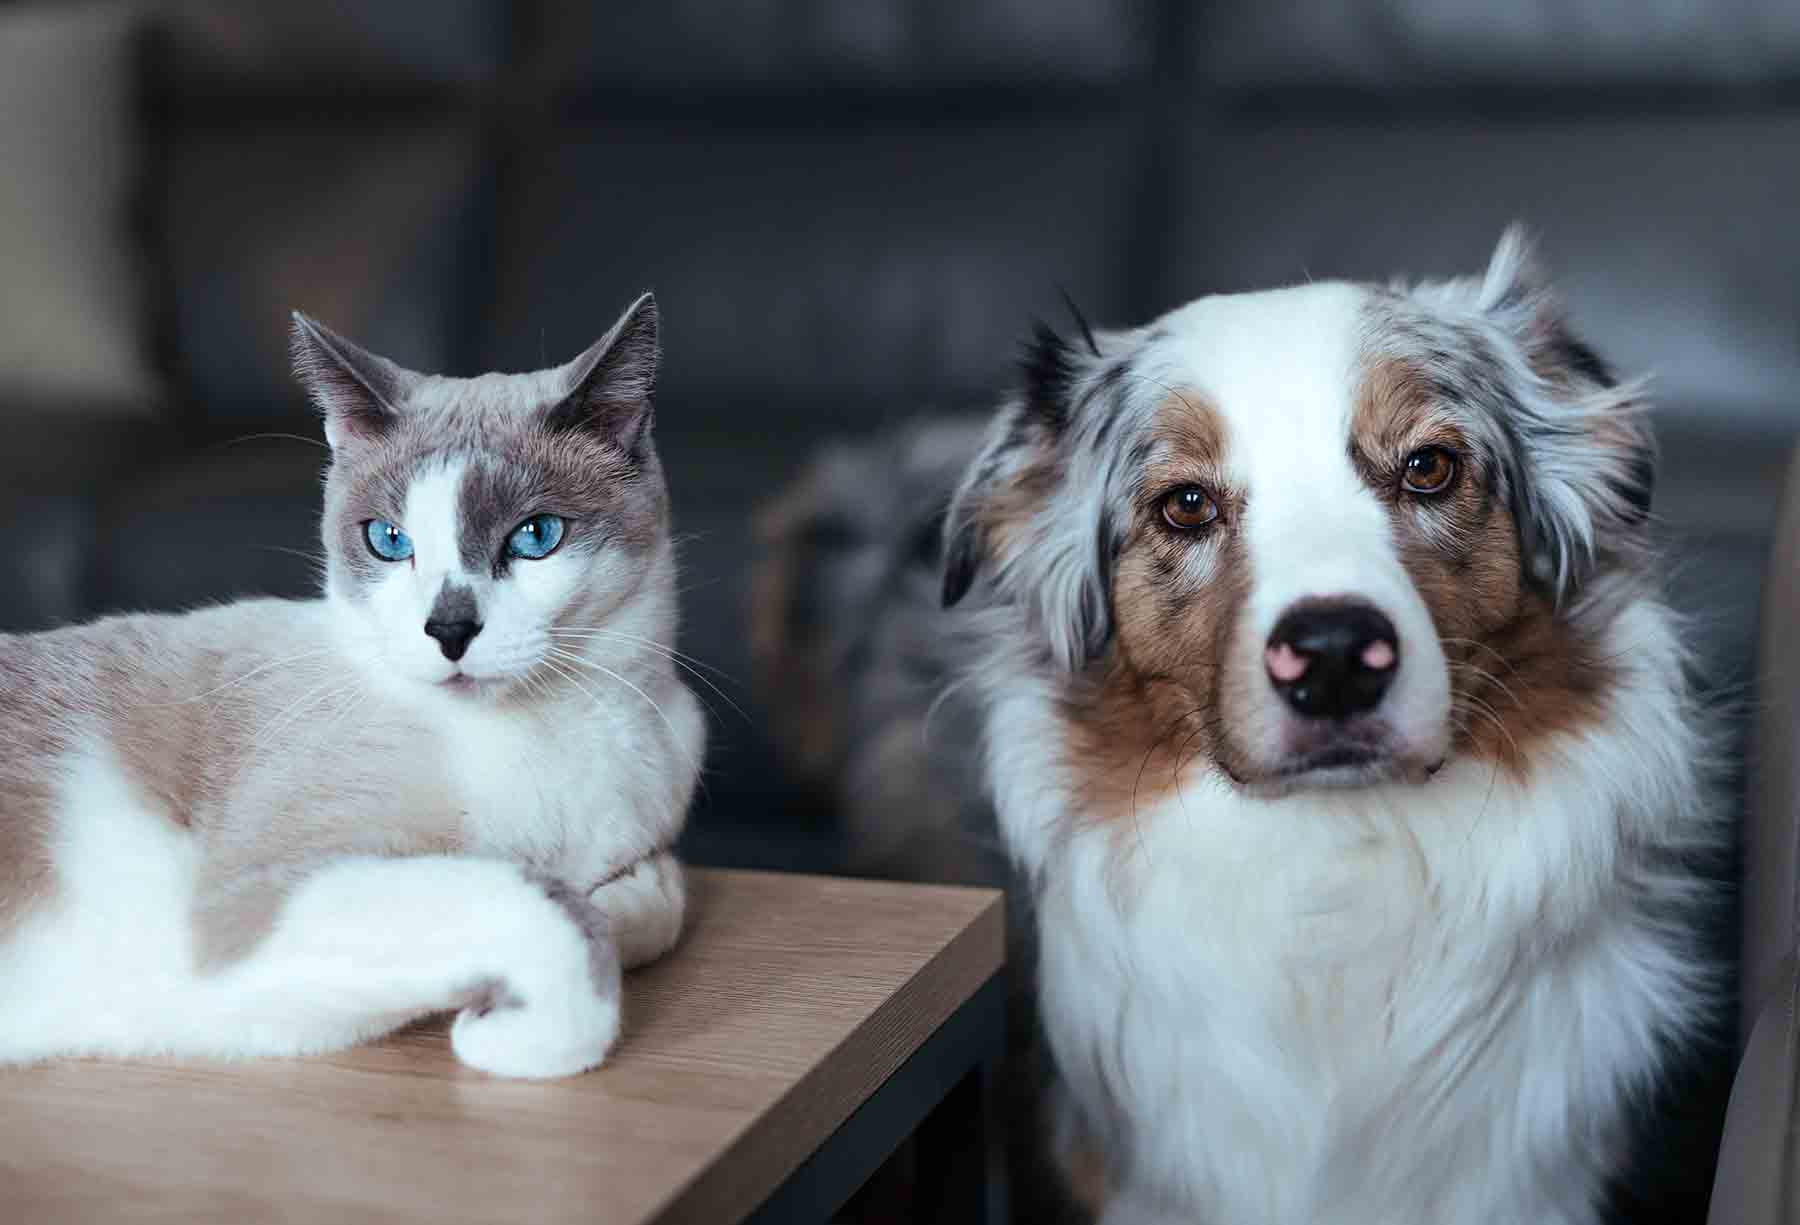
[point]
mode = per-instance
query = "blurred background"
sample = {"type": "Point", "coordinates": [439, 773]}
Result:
{"type": "Point", "coordinates": [849, 212]}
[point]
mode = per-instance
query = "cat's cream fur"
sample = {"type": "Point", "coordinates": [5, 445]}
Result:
{"type": "Point", "coordinates": [281, 827]}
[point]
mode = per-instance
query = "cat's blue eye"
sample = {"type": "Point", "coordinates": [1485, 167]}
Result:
{"type": "Point", "coordinates": [537, 537]}
{"type": "Point", "coordinates": [387, 541]}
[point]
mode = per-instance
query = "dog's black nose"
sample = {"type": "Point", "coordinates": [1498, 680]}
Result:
{"type": "Point", "coordinates": [1332, 658]}
{"type": "Point", "coordinates": [453, 636]}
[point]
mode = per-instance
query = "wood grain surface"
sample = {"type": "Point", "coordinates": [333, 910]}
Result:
{"type": "Point", "coordinates": [790, 999]}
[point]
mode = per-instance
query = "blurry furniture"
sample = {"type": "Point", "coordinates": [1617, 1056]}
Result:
{"type": "Point", "coordinates": [800, 1032]}
{"type": "Point", "coordinates": [1758, 1180]}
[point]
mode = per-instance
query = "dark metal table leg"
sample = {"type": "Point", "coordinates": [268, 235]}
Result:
{"type": "Point", "coordinates": [946, 1088]}
{"type": "Point", "coordinates": [961, 1178]}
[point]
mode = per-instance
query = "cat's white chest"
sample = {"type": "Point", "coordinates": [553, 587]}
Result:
{"type": "Point", "coordinates": [566, 794]}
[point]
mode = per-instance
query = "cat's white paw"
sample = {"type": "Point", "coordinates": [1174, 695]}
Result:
{"type": "Point", "coordinates": [539, 1039]}
{"type": "Point", "coordinates": [556, 1010]}
{"type": "Point", "coordinates": [644, 908]}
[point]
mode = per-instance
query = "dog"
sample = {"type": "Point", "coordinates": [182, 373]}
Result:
{"type": "Point", "coordinates": [852, 650]}
{"type": "Point", "coordinates": [1335, 723]}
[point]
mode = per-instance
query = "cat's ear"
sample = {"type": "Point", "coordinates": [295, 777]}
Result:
{"type": "Point", "coordinates": [355, 389]}
{"type": "Point", "coordinates": [611, 387]}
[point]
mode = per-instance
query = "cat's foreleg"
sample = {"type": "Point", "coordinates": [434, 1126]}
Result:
{"type": "Point", "coordinates": [365, 944]}
{"type": "Point", "coordinates": [644, 906]}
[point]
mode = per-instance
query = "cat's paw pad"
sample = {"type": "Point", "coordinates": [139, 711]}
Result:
{"type": "Point", "coordinates": [538, 1039]}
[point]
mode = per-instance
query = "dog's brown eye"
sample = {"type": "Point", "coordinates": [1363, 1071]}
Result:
{"type": "Point", "coordinates": [1189, 508]}
{"type": "Point", "coordinates": [1429, 470]}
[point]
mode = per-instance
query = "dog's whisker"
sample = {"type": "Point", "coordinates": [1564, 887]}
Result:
{"type": "Point", "coordinates": [1479, 707]}
{"type": "Point", "coordinates": [1478, 645]}
{"type": "Point", "coordinates": [1493, 680]}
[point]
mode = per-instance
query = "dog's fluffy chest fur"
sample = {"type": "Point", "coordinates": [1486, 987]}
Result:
{"type": "Point", "coordinates": [1416, 1004]}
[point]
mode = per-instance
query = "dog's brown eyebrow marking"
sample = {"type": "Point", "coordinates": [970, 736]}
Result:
{"type": "Point", "coordinates": [1393, 401]}
{"type": "Point", "coordinates": [1193, 428]}
{"type": "Point", "coordinates": [1397, 408]}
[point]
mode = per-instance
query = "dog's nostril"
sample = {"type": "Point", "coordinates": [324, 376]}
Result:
{"type": "Point", "coordinates": [1379, 655]}
{"type": "Point", "coordinates": [1331, 659]}
{"type": "Point", "coordinates": [1286, 664]}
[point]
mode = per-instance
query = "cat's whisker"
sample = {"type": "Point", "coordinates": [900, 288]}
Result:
{"type": "Point", "coordinates": [562, 670]}
{"type": "Point", "coordinates": [359, 702]}
{"type": "Point", "coordinates": [254, 672]}
{"type": "Point", "coordinates": [588, 640]}
{"type": "Point", "coordinates": [596, 631]}
{"type": "Point", "coordinates": [317, 700]}
{"type": "Point", "coordinates": [583, 632]}
{"type": "Point", "coordinates": [311, 699]}
{"type": "Point", "coordinates": [572, 679]}
{"type": "Point", "coordinates": [273, 435]}
{"type": "Point", "coordinates": [317, 559]}
{"type": "Point", "coordinates": [686, 662]}
{"type": "Point", "coordinates": [570, 658]}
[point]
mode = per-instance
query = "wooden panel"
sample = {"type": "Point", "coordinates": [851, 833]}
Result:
{"type": "Point", "coordinates": [791, 999]}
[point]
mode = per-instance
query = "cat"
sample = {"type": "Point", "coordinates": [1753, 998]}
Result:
{"type": "Point", "coordinates": [452, 783]}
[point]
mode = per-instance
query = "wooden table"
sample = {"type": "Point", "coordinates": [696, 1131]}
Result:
{"type": "Point", "coordinates": [803, 1029]}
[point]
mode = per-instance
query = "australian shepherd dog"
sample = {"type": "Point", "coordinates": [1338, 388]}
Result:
{"type": "Point", "coordinates": [1332, 714]}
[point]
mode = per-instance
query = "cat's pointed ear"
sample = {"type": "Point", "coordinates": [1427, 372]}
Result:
{"type": "Point", "coordinates": [355, 389]}
{"type": "Point", "coordinates": [612, 386]}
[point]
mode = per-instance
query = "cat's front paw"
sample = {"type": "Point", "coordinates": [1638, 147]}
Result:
{"type": "Point", "coordinates": [644, 907]}
{"type": "Point", "coordinates": [540, 1039]}
{"type": "Point", "coordinates": [556, 1011]}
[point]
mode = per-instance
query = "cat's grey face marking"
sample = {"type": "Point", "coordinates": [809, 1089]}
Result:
{"type": "Point", "coordinates": [521, 504]}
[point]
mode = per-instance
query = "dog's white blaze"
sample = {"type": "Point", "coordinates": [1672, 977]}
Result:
{"type": "Point", "coordinates": [1286, 424]}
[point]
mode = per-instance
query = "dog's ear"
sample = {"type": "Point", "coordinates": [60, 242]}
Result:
{"type": "Point", "coordinates": [1587, 460]}
{"type": "Point", "coordinates": [1024, 517]}
{"type": "Point", "coordinates": [1023, 439]}
{"type": "Point", "coordinates": [1005, 455]}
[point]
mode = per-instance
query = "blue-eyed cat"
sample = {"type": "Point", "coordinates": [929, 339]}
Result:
{"type": "Point", "coordinates": [451, 783]}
